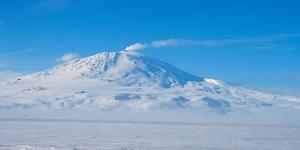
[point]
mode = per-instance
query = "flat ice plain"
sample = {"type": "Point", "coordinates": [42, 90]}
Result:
{"type": "Point", "coordinates": [18, 134]}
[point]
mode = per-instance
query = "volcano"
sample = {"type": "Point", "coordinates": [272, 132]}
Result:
{"type": "Point", "coordinates": [129, 79]}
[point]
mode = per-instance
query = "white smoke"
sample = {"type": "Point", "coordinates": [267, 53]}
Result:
{"type": "Point", "coordinates": [68, 57]}
{"type": "Point", "coordinates": [209, 43]}
{"type": "Point", "coordinates": [135, 47]}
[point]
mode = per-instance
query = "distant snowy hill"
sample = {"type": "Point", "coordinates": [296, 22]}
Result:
{"type": "Point", "coordinates": [129, 79]}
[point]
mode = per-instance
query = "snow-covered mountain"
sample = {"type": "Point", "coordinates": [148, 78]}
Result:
{"type": "Point", "coordinates": [129, 79]}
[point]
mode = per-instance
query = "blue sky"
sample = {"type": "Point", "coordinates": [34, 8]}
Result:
{"type": "Point", "coordinates": [253, 43]}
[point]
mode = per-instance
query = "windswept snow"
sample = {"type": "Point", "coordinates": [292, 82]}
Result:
{"type": "Point", "coordinates": [69, 135]}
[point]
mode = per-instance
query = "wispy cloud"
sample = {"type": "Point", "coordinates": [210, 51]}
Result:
{"type": "Point", "coordinates": [283, 91]}
{"type": "Point", "coordinates": [20, 52]}
{"type": "Point", "coordinates": [1, 23]}
{"type": "Point", "coordinates": [2, 65]}
{"type": "Point", "coordinates": [296, 77]}
{"type": "Point", "coordinates": [211, 43]}
{"type": "Point", "coordinates": [52, 5]}
{"type": "Point", "coordinates": [68, 57]}
{"type": "Point", "coordinates": [8, 59]}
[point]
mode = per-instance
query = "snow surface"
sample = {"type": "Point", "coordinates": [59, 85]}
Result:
{"type": "Point", "coordinates": [128, 86]}
{"type": "Point", "coordinates": [79, 135]}
{"type": "Point", "coordinates": [128, 79]}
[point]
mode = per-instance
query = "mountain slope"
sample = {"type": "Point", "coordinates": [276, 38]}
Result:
{"type": "Point", "coordinates": [125, 68]}
{"type": "Point", "coordinates": [129, 79]}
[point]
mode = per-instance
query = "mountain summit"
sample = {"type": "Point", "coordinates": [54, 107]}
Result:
{"type": "Point", "coordinates": [126, 68]}
{"type": "Point", "coordinates": [129, 79]}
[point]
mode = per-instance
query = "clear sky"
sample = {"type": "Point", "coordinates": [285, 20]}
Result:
{"type": "Point", "coordinates": [254, 43]}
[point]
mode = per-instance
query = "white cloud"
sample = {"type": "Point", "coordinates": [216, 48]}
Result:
{"type": "Point", "coordinates": [209, 43]}
{"type": "Point", "coordinates": [175, 42]}
{"type": "Point", "coordinates": [135, 47]}
{"type": "Point", "coordinates": [283, 91]}
{"type": "Point", "coordinates": [169, 42]}
{"type": "Point", "coordinates": [68, 57]}
{"type": "Point", "coordinates": [262, 39]}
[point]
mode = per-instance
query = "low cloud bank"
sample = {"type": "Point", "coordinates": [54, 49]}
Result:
{"type": "Point", "coordinates": [5, 76]}
{"type": "Point", "coordinates": [278, 117]}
